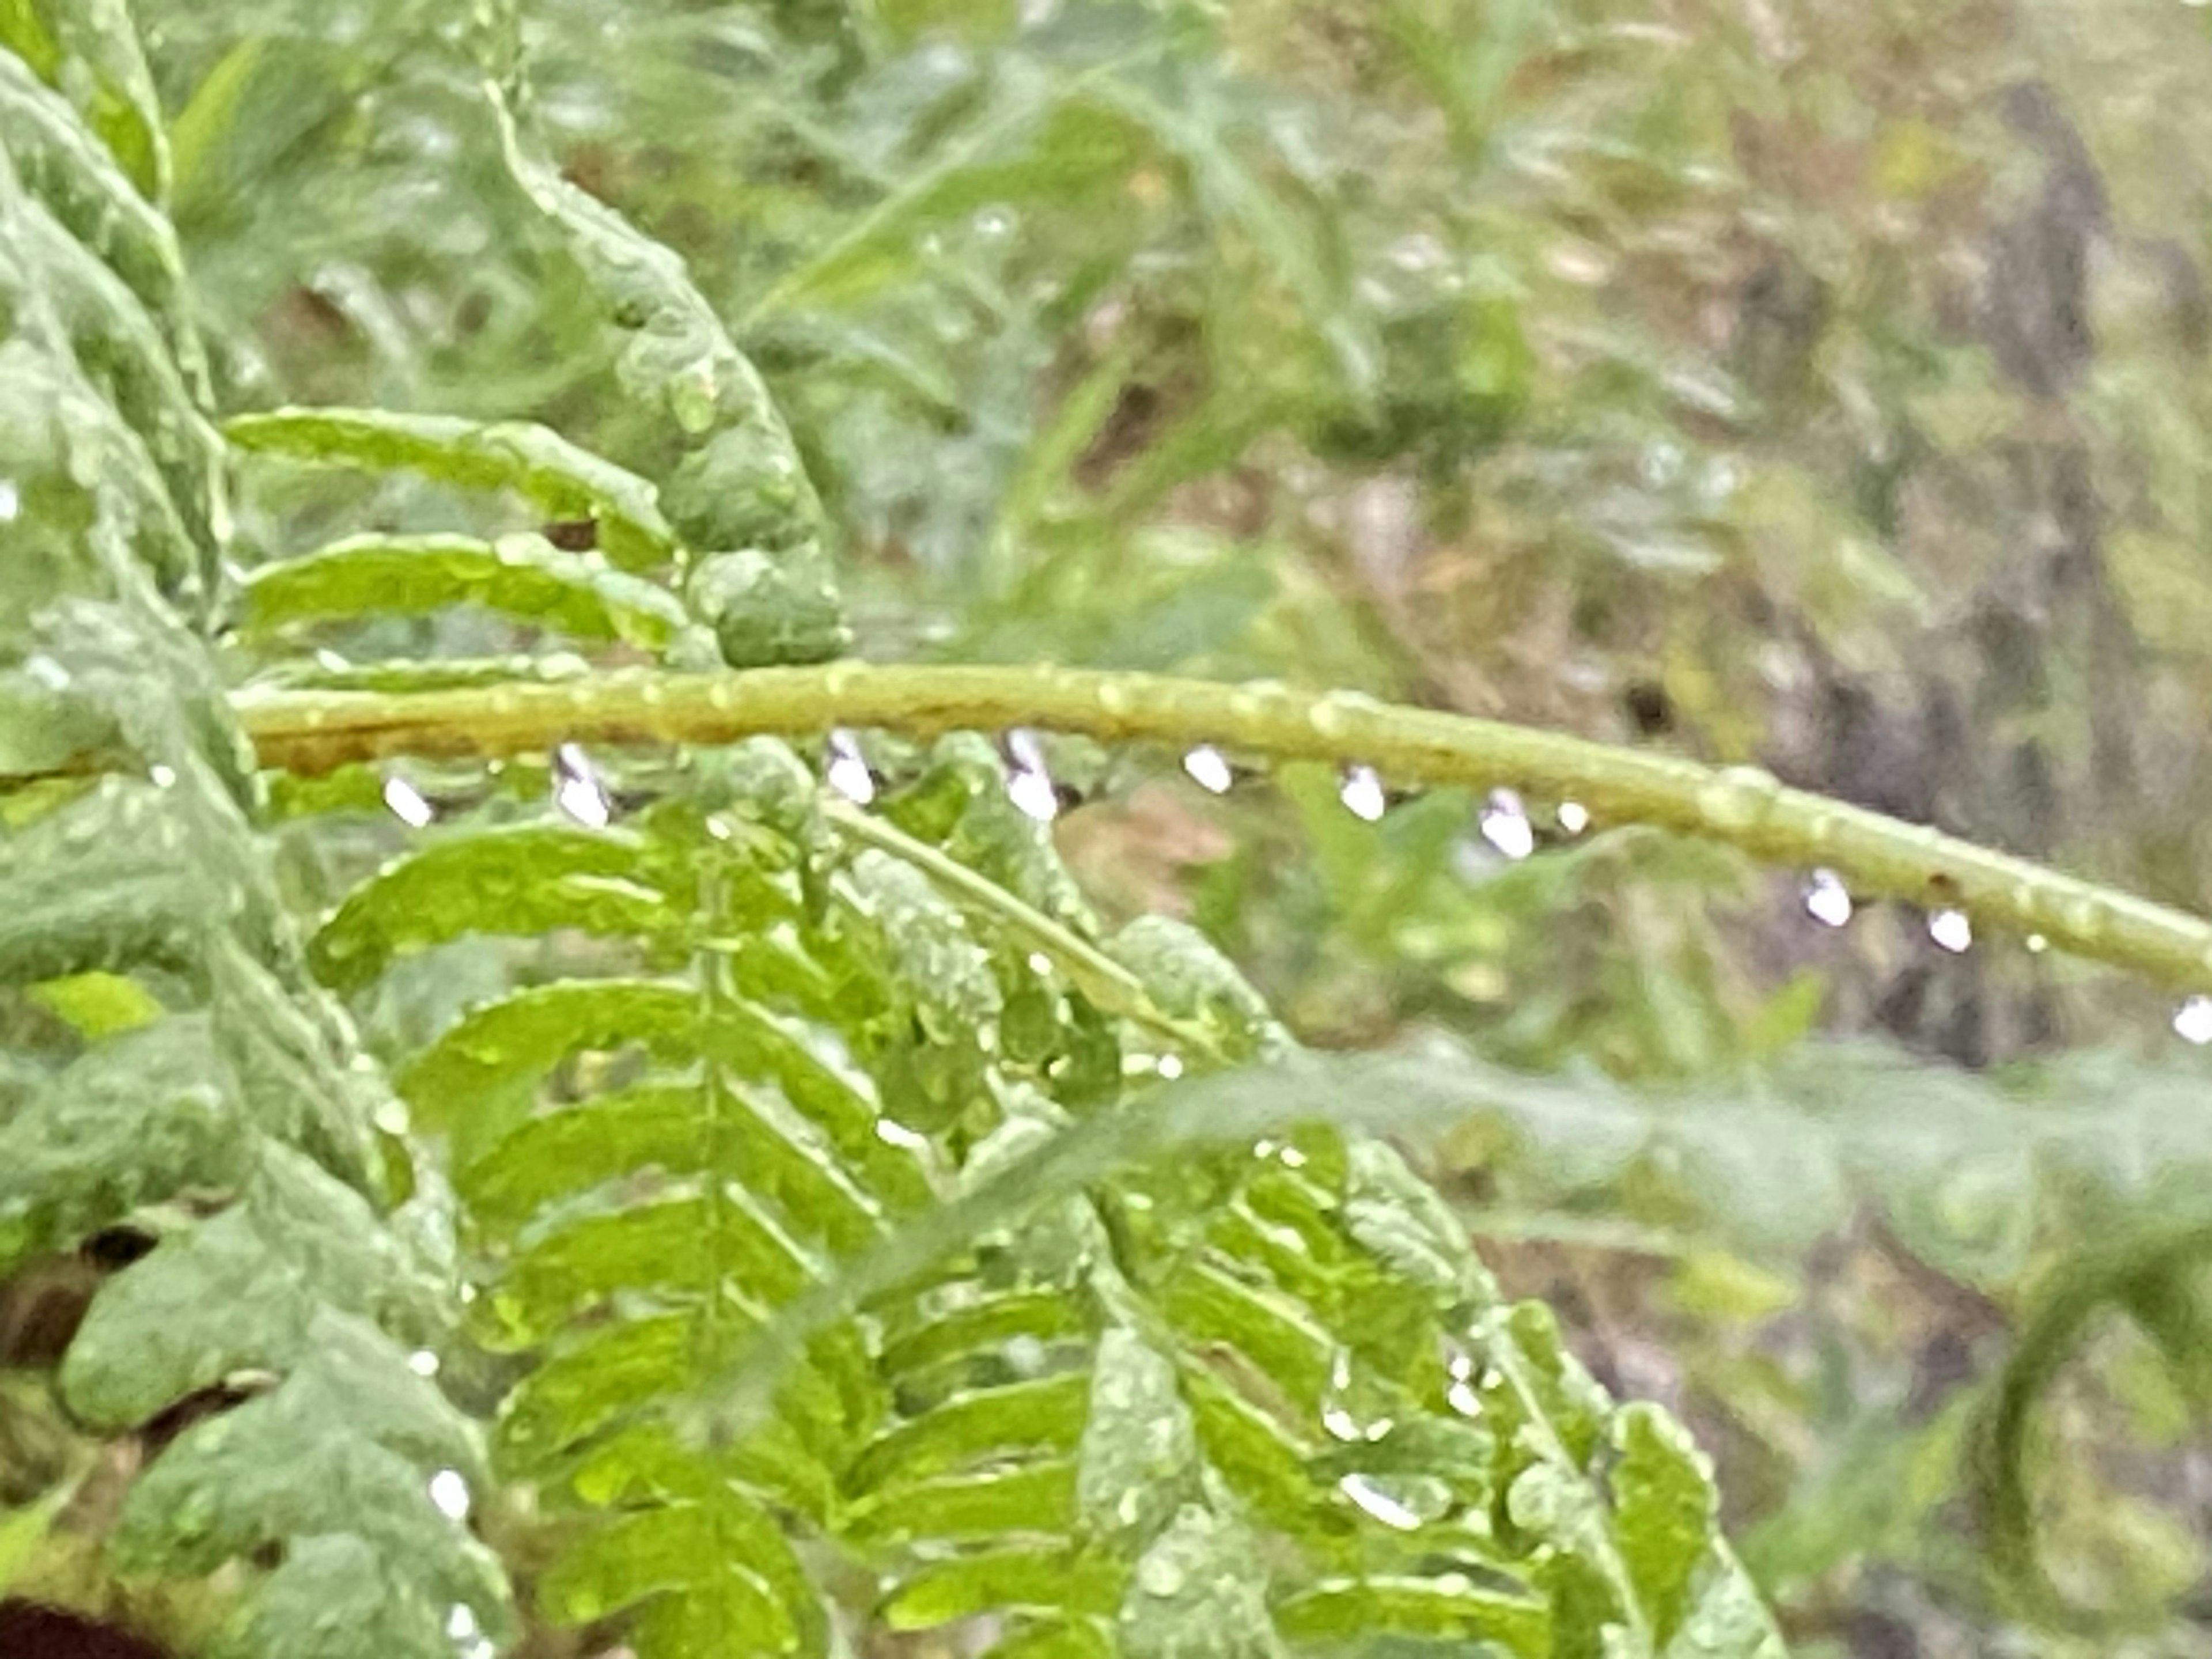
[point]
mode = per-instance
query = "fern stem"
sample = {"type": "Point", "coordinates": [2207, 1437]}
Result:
{"type": "Point", "coordinates": [1106, 983]}
{"type": "Point", "coordinates": [1877, 856]}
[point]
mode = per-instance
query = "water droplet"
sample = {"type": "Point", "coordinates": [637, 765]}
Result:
{"type": "Point", "coordinates": [1160, 1574]}
{"type": "Point", "coordinates": [847, 771]}
{"type": "Point", "coordinates": [1292, 1158]}
{"type": "Point", "coordinates": [1170, 1068]}
{"type": "Point", "coordinates": [1574, 817]}
{"type": "Point", "coordinates": [1738, 798]}
{"type": "Point", "coordinates": [1506, 826]}
{"type": "Point", "coordinates": [1659, 465]}
{"type": "Point", "coordinates": [2037, 944]}
{"type": "Point", "coordinates": [1040, 963]}
{"type": "Point", "coordinates": [450, 1492]}
{"type": "Point", "coordinates": [1382, 1504]}
{"type": "Point", "coordinates": [1032, 791]}
{"type": "Point", "coordinates": [576, 789]}
{"type": "Point", "coordinates": [163, 776]}
{"type": "Point", "coordinates": [1462, 1398]}
{"type": "Point", "coordinates": [1827, 900]}
{"type": "Point", "coordinates": [1951, 931]}
{"type": "Point", "coordinates": [406, 803]}
{"type": "Point", "coordinates": [2192, 1021]}
{"type": "Point", "coordinates": [11, 501]}
{"type": "Point", "coordinates": [994, 224]}
{"type": "Point", "coordinates": [461, 1622]}
{"type": "Point", "coordinates": [894, 1133]}
{"type": "Point", "coordinates": [1362, 794]}
{"type": "Point", "coordinates": [1209, 769]}
{"type": "Point", "coordinates": [423, 1363]}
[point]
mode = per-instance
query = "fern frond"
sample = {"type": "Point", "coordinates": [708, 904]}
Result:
{"type": "Point", "coordinates": [1139, 1404]}
{"type": "Point", "coordinates": [230, 1090]}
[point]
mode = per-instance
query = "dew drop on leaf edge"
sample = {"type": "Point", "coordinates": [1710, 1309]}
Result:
{"type": "Point", "coordinates": [449, 1492]}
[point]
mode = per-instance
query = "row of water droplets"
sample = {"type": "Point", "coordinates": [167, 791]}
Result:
{"type": "Point", "coordinates": [1504, 823]}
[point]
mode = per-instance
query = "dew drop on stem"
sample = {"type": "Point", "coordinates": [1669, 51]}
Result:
{"type": "Point", "coordinates": [1951, 931]}
{"type": "Point", "coordinates": [2192, 1021]}
{"type": "Point", "coordinates": [1209, 769]}
{"type": "Point", "coordinates": [1827, 899]}
{"type": "Point", "coordinates": [1505, 825]}
{"type": "Point", "coordinates": [847, 769]}
{"type": "Point", "coordinates": [1574, 817]}
{"type": "Point", "coordinates": [1362, 793]}
{"type": "Point", "coordinates": [577, 791]}
{"type": "Point", "coordinates": [406, 802]}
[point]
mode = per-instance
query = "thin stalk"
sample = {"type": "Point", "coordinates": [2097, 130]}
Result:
{"type": "Point", "coordinates": [1106, 983]}
{"type": "Point", "coordinates": [1876, 856]}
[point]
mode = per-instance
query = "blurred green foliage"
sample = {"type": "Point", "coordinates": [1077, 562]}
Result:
{"type": "Point", "coordinates": [1786, 382]}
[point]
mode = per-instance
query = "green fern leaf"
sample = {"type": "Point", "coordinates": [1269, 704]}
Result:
{"type": "Point", "coordinates": [554, 476]}
{"type": "Point", "coordinates": [523, 576]}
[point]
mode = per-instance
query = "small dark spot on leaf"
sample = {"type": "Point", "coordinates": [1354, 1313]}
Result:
{"type": "Point", "coordinates": [113, 1249]}
{"type": "Point", "coordinates": [572, 535]}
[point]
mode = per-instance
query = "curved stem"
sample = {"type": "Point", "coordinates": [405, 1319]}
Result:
{"type": "Point", "coordinates": [1877, 856]}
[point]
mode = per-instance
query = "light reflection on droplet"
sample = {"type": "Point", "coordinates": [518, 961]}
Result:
{"type": "Point", "coordinates": [1379, 1503]}
{"type": "Point", "coordinates": [1574, 817]}
{"type": "Point", "coordinates": [2192, 1021]}
{"type": "Point", "coordinates": [1462, 1398]}
{"type": "Point", "coordinates": [2037, 944]}
{"type": "Point", "coordinates": [1951, 931]}
{"type": "Point", "coordinates": [1170, 1068]}
{"type": "Point", "coordinates": [1026, 749]}
{"type": "Point", "coordinates": [423, 1363]}
{"type": "Point", "coordinates": [163, 776]}
{"type": "Point", "coordinates": [1506, 826]}
{"type": "Point", "coordinates": [406, 804]}
{"type": "Point", "coordinates": [1040, 963]}
{"type": "Point", "coordinates": [450, 1492]}
{"type": "Point", "coordinates": [11, 501]}
{"type": "Point", "coordinates": [576, 790]}
{"type": "Point", "coordinates": [847, 771]}
{"type": "Point", "coordinates": [1827, 899]}
{"type": "Point", "coordinates": [1209, 769]}
{"type": "Point", "coordinates": [1362, 794]}
{"type": "Point", "coordinates": [894, 1133]}
{"type": "Point", "coordinates": [1032, 791]}
{"type": "Point", "coordinates": [461, 1622]}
